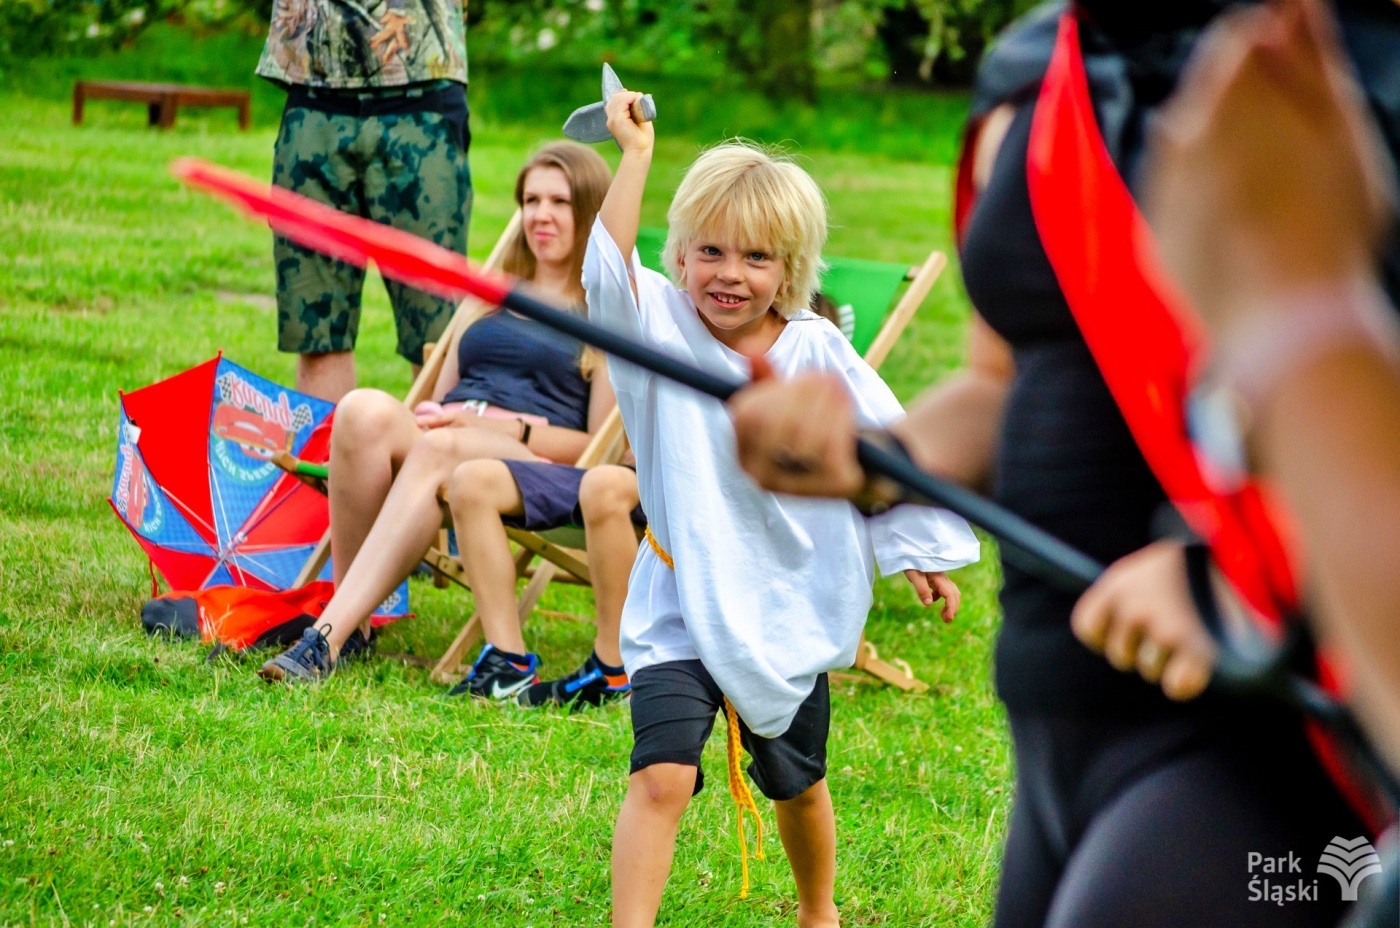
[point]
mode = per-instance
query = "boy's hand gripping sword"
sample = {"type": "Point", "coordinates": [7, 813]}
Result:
{"type": "Point", "coordinates": [590, 123]}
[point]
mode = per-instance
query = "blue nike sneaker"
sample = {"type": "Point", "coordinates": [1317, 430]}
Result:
{"type": "Point", "coordinates": [498, 677]}
{"type": "Point", "coordinates": [590, 685]}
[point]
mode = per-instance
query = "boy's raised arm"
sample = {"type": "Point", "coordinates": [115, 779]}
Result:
{"type": "Point", "coordinates": [622, 207]}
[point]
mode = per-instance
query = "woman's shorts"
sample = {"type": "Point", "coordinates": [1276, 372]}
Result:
{"type": "Point", "coordinates": [549, 494]}
{"type": "Point", "coordinates": [673, 712]}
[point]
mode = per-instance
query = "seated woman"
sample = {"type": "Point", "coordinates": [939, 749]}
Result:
{"type": "Point", "coordinates": [517, 395]}
{"type": "Point", "coordinates": [485, 496]}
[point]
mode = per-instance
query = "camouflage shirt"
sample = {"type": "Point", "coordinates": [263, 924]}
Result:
{"type": "Point", "coordinates": [364, 43]}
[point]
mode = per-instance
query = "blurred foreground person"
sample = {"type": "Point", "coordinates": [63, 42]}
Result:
{"type": "Point", "coordinates": [1272, 195]}
{"type": "Point", "coordinates": [1131, 808]}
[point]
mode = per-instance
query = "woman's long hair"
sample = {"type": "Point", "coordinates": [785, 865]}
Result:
{"type": "Point", "coordinates": [588, 176]}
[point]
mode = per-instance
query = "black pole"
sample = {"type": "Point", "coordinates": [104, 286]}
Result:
{"type": "Point", "coordinates": [1027, 546]}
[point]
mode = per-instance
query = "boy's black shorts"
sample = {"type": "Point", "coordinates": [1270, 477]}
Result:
{"type": "Point", "coordinates": [673, 712]}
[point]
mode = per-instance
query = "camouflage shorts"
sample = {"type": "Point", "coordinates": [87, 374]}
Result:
{"type": "Point", "coordinates": [405, 166]}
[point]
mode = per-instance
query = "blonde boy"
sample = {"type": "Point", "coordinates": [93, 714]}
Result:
{"type": "Point", "coordinates": [738, 593]}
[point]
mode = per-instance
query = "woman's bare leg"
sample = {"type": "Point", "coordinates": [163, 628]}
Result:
{"type": "Point", "coordinates": [645, 841]}
{"type": "Point", "coordinates": [607, 496]}
{"type": "Point", "coordinates": [807, 826]}
{"type": "Point", "coordinates": [372, 435]}
{"type": "Point", "coordinates": [479, 493]}
{"type": "Point", "coordinates": [407, 523]}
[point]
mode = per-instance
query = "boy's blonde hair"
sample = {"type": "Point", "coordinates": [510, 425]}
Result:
{"type": "Point", "coordinates": [758, 199]}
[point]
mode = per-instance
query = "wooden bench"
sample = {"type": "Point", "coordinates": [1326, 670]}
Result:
{"type": "Point", "coordinates": [162, 100]}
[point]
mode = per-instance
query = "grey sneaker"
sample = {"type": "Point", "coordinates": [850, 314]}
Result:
{"type": "Point", "coordinates": [357, 647]}
{"type": "Point", "coordinates": [306, 661]}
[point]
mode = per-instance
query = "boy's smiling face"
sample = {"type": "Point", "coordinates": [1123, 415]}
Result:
{"type": "Point", "coordinates": [732, 285]}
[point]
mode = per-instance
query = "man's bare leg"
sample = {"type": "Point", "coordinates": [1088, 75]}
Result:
{"type": "Point", "coordinates": [326, 374]}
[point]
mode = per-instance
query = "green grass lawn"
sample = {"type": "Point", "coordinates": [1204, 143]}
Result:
{"type": "Point", "coordinates": [139, 784]}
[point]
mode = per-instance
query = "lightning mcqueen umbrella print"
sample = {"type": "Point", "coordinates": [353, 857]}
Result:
{"type": "Point", "coordinates": [196, 486]}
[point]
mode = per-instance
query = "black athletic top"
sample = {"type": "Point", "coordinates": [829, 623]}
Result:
{"type": "Point", "coordinates": [1066, 460]}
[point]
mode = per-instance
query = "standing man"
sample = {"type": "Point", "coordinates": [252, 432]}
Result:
{"type": "Point", "coordinates": [375, 125]}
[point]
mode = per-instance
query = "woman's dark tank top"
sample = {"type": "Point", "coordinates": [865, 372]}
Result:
{"type": "Point", "coordinates": [505, 363]}
{"type": "Point", "coordinates": [1065, 460]}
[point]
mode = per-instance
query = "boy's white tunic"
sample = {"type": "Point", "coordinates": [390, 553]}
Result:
{"type": "Point", "coordinates": [768, 591]}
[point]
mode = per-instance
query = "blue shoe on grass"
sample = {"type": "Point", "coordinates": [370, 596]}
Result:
{"type": "Point", "coordinates": [591, 685]}
{"type": "Point", "coordinates": [499, 675]}
{"type": "Point", "coordinates": [306, 661]}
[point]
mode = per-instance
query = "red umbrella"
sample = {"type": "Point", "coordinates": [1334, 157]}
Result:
{"type": "Point", "coordinates": [196, 485]}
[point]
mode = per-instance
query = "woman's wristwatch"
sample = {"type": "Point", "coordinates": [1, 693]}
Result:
{"type": "Point", "coordinates": [524, 432]}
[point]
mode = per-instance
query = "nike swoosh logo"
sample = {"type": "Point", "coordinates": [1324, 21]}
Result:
{"type": "Point", "coordinates": [505, 692]}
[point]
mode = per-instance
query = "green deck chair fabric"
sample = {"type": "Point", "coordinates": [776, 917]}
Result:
{"type": "Point", "coordinates": [862, 290]}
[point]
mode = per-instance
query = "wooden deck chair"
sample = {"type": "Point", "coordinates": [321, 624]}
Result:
{"type": "Point", "coordinates": [863, 291]}
{"type": "Point", "coordinates": [435, 355]}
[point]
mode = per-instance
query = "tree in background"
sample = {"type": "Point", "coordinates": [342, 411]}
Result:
{"type": "Point", "coordinates": [35, 27]}
{"type": "Point", "coordinates": [929, 42]}
{"type": "Point", "coordinates": [30, 28]}
{"type": "Point", "coordinates": [771, 45]}
{"type": "Point", "coordinates": [696, 38]}
{"type": "Point", "coordinates": [782, 48]}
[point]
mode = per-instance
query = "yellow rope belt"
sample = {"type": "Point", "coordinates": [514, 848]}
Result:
{"type": "Point", "coordinates": [738, 786]}
{"type": "Point", "coordinates": [660, 551]}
